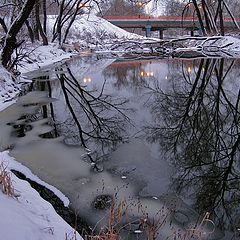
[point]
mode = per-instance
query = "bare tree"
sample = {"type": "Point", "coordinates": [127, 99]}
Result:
{"type": "Point", "coordinates": [175, 8]}
{"type": "Point", "coordinates": [94, 117]}
{"type": "Point", "coordinates": [67, 13]}
{"type": "Point", "coordinates": [39, 24]}
{"type": "Point", "coordinates": [209, 14]}
{"type": "Point", "coordinates": [123, 8]}
{"type": "Point", "coordinates": [197, 123]}
{"type": "Point", "coordinates": [11, 37]}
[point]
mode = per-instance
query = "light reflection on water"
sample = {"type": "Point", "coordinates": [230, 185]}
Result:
{"type": "Point", "coordinates": [141, 121]}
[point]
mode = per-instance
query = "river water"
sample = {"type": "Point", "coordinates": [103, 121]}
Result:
{"type": "Point", "coordinates": [160, 137]}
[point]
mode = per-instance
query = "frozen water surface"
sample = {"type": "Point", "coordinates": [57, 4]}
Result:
{"type": "Point", "coordinates": [140, 131]}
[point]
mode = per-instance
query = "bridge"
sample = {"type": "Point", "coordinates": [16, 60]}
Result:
{"type": "Point", "coordinates": [161, 23]}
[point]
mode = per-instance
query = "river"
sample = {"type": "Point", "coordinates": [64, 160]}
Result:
{"type": "Point", "coordinates": [157, 139]}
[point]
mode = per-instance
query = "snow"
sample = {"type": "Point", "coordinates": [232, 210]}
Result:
{"type": "Point", "coordinates": [8, 89]}
{"type": "Point", "coordinates": [229, 46]}
{"type": "Point", "coordinates": [12, 164]}
{"type": "Point", "coordinates": [87, 32]}
{"type": "Point", "coordinates": [215, 46]}
{"type": "Point", "coordinates": [91, 29]}
{"type": "Point", "coordinates": [28, 216]}
{"type": "Point", "coordinates": [41, 56]}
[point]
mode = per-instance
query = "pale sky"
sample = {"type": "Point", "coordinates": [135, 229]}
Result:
{"type": "Point", "coordinates": [152, 9]}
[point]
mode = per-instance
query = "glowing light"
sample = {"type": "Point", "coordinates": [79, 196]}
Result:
{"type": "Point", "coordinates": [166, 77]}
{"type": "Point", "coordinates": [87, 79]}
{"type": "Point", "coordinates": [83, 5]}
{"type": "Point", "coordinates": [146, 74]}
{"type": "Point", "coordinates": [189, 69]}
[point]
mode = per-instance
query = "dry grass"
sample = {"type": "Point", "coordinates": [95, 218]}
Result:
{"type": "Point", "coordinates": [150, 227]}
{"type": "Point", "coordinates": [199, 230]}
{"type": "Point", "coordinates": [71, 236]}
{"type": "Point", "coordinates": [117, 217]}
{"type": "Point", "coordinates": [115, 223]}
{"type": "Point", "coordinates": [5, 181]}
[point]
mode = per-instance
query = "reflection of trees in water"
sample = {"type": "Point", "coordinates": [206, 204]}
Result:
{"type": "Point", "coordinates": [102, 112]}
{"type": "Point", "coordinates": [197, 123]}
{"type": "Point", "coordinates": [95, 116]}
{"type": "Point", "coordinates": [126, 74]}
{"type": "Point", "coordinates": [95, 120]}
{"type": "Point", "coordinates": [44, 112]}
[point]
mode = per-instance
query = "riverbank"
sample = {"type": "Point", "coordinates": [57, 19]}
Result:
{"type": "Point", "coordinates": [26, 214]}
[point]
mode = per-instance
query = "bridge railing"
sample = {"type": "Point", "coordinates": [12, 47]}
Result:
{"type": "Point", "coordinates": [146, 18]}
{"type": "Point", "coordinates": [164, 18]}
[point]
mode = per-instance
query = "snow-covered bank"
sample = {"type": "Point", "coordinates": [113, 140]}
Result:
{"type": "Point", "coordinates": [28, 216]}
{"type": "Point", "coordinates": [88, 33]}
{"type": "Point", "coordinates": [8, 89]}
{"type": "Point", "coordinates": [215, 46]}
{"type": "Point", "coordinates": [89, 30]}
{"type": "Point", "coordinates": [39, 56]}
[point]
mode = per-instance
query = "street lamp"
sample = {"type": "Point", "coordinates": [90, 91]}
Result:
{"type": "Point", "coordinates": [140, 3]}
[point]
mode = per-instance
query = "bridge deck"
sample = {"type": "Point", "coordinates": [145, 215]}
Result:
{"type": "Point", "coordinates": [162, 22]}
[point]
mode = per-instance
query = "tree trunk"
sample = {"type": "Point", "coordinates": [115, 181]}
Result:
{"type": "Point", "coordinates": [206, 16]}
{"type": "Point", "coordinates": [3, 24]}
{"type": "Point", "coordinates": [39, 25]}
{"type": "Point", "coordinates": [11, 38]}
{"type": "Point", "coordinates": [59, 23]}
{"type": "Point", "coordinates": [44, 7]}
{"type": "Point", "coordinates": [221, 18]}
{"type": "Point", "coordinates": [231, 15]}
{"type": "Point", "coordinates": [199, 17]}
{"type": "Point", "coordinates": [35, 25]}
{"type": "Point", "coordinates": [71, 21]}
{"type": "Point", "coordinates": [30, 31]}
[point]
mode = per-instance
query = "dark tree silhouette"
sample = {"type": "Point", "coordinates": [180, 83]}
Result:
{"type": "Point", "coordinates": [11, 36]}
{"type": "Point", "coordinates": [67, 13]}
{"type": "Point", "coordinates": [197, 124]}
{"type": "Point", "coordinates": [96, 117]}
{"type": "Point", "coordinates": [42, 30]}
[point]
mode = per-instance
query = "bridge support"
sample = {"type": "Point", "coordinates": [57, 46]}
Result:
{"type": "Point", "coordinates": [200, 32]}
{"type": "Point", "coordinates": [160, 33]}
{"type": "Point", "coordinates": [148, 30]}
